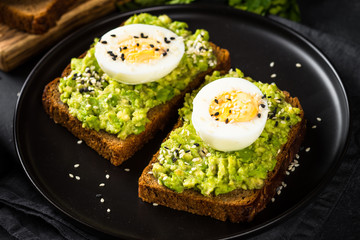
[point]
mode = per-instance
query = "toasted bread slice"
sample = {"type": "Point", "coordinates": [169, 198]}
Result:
{"type": "Point", "coordinates": [34, 16]}
{"type": "Point", "coordinates": [109, 145]}
{"type": "Point", "coordinates": [236, 206]}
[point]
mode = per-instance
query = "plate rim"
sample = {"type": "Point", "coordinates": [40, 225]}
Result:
{"type": "Point", "coordinates": [198, 7]}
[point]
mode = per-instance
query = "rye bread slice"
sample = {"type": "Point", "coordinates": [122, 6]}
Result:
{"type": "Point", "coordinates": [108, 145]}
{"type": "Point", "coordinates": [34, 16]}
{"type": "Point", "coordinates": [236, 206]}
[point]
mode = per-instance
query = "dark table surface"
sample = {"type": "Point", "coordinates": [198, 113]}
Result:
{"type": "Point", "coordinates": [332, 25]}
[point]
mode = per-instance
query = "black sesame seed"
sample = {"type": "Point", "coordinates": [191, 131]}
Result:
{"type": "Point", "coordinates": [166, 148]}
{"type": "Point", "coordinates": [187, 151]}
{"type": "Point", "coordinates": [137, 44]}
{"type": "Point", "coordinates": [216, 101]}
{"type": "Point", "coordinates": [179, 145]}
{"type": "Point", "coordinates": [113, 35]}
{"type": "Point", "coordinates": [152, 45]}
{"type": "Point", "coordinates": [167, 50]}
{"type": "Point", "coordinates": [156, 49]}
{"type": "Point", "coordinates": [216, 119]}
{"type": "Point", "coordinates": [259, 115]}
{"type": "Point", "coordinates": [276, 123]}
{"type": "Point", "coordinates": [216, 114]}
{"type": "Point", "coordinates": [166, 40]}
{"type": "Point", "coordinates": [143, 36]}
{"type": "Point", "coordinates": [264, 96]}
{"type": "Point", "coordinates": [196, 144]}
{"type": "Point", "coordinates": [228, 99]}
{"type": "Point", "coordinates": [104, 42]}
{"type": "Point", "coordinates": [227, 121]}
{"type": "Point", "coordinates": [262, 105]}
{"type": "Point", "coordinates": [230, 111]}
{"type": "Point", "coordinates": [287, 118]}
{"type": "Point", "coordinates": [120, 49]}
{"type": "Point", "coordinates": [282, 117]}
{"type": "Point", "coordinates": [136, 36]}
{"type": "Point", "coordinates": [164, 54]}
{"type": "Point", "coordinates": [174, 159]}
{"type": "Point", "coordinates": [203, 151]}
{"type": "Point", "coordinates": [125, 47]}
{"type": "Point", "coordinates": [172, 38]}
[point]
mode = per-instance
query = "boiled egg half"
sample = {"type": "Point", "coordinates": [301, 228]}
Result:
{"type": "Point", "coordinates": [139, 53]}
{"type": "Point", "coordinates": [229, 114]}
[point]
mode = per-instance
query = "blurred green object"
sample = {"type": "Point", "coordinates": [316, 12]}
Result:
{"type": "Point", "coordinates": [126, 5]}
{"type": "Point", "coordinates": [284, 8]}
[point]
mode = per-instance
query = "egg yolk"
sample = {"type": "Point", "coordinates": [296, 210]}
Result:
{"type": "Point", "coordinates": [141, 50]}
{"type": "Point", "coordinates": [234, 106]}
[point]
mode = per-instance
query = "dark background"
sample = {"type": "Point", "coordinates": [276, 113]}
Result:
{"type": "Point", "coordinates": [332, 25]}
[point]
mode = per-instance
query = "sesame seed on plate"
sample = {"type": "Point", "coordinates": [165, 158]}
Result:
{"type": "Point", "coordinates": [107, 176]}
{"type": "Point", "coordinates": [307, 149]}
{"type": "Point", "coordinates": [108, 210]}
{"type": "Point", "coordinates": [155, 204]}
{"type": "Point", "coordinates": [272, 64]}
{"type": "Point", "coordinates": [298, 65]}
{"type": "Point", "coordinates": [273, 75]}
{"type": "Point", "coordinates": [76, 165]}
{"type": "Point", "coordinates": [314, 126]}
{"type": "Point", "coordinates": [102, 200]}
{"type": "Point", "coordinates": [71, 175]}
{"type": "Point", "coordinates": [101, 184]}
{"type": "Point", "coordinates": [77, 177]}
{"type": "Point", "coordinates": [79, 142]}
{"type": "Point", "coordinates": [318, 119]}
{"type": "Point", "coordinates": [273, 199]}
{"type": "Point", "coordinates": [127, 169]}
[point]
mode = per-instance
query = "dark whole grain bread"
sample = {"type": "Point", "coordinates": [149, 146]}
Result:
{"type": "Point", "coordinates": [34, 16]}
{"type": "Point", "coordinates": [236, 206]}
{"type": "Point", "coordinates": [108, 145]}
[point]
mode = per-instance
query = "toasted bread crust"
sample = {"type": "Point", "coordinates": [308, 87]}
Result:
{"type": "Point", "coordinates": [108, 145]}
{"type": "Point", "coordinates": [35, 17]}
{"type": "Point", "coordinates": [236, 206]}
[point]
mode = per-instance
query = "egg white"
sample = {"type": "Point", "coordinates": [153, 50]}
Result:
{"type": "Point", "coordinates": [226, 136]}
{"type": "Point", "coordinates": [136, 73]}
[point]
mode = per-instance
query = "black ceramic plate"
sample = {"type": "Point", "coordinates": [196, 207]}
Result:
{"type": "Point", "coordinates": [49, 152]}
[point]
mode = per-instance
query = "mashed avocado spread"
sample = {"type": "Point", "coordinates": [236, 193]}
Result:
{"type": "Point", "coordinates": [186, 162]}
{"type": "Point", "coordinates": [102, 103]}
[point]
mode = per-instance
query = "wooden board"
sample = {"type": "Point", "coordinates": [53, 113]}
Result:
{"type": "Point", "coordinates": [17, 46]}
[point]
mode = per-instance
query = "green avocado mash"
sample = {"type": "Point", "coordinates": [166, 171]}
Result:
{"type": "Point", "coordinates": [101, 103]}
{"type": "Point", "coordinates": [186, 162]}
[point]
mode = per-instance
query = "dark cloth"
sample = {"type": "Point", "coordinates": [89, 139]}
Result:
{"type": "Point", "coordinates": [333, 26]}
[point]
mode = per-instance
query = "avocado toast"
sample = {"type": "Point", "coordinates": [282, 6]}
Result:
{"type": "Point", "coordinates": [186, 174]}
{"type": "Point", "coordinates": [119, 124]}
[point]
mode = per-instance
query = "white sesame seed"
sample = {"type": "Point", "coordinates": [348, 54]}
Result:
{"type": "Point", "coordinates": [79, 142]}
{"type": "Point", "coordinates": [278, 192]}
{"type": "Point", "coordinates": [273, 199]}
{"type": "Point", "coordinates": [107, 176]}
{"type": "Point", "coordinates": [297, 156]}
{"type": "Point", "coordinates": [272, 64]}
{"type": "Point", "coordinates": [76, 165]}
{"type": "Point", "coordinates": [101, 184]}
{"type": "Point", "coordinates": [155, 204]}
{"type": "Point", "coordinates": [71, 175]}
{"type": "Point", "coordinates": [150, 172]}
{"type": "Point", "coordinates": [284, 184]}
{"type": "Point", "coordinates": [296, 165]}
{"type": "Point", "coordinates": [127, 170]}
{"type": "Point", "coordinates": [293, 169]}
{"type": "Point", "coordinates": [102, 200]}
{"type": "Point", "coordinates": [108, 210]}
{"type": "Point", "coordinates": [18, 94]}
{"type": "Point", "coordinates": [307, 149]}
{"type": "Point", "coordinates": [318, 119]}
{"type": "Point", "coordinates": [77, 177]}
{"type": "Point", "coordinates": [287, 173]}
{"type": "Point", "coordinates": [273, 75]}
{"type": "Point", "coordinates": [298, 65]}
{"type": "Point", "coordinates": [296, 161]}
{"type": "Point", "coordinates": [313, 126]}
